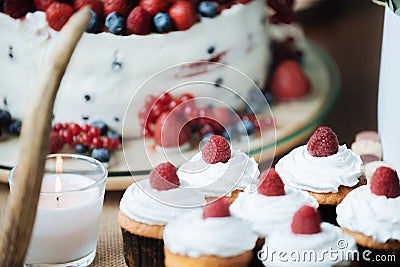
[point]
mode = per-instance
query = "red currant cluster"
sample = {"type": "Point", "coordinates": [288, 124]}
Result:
{"type": "Point", "coordinates": [86, 135]}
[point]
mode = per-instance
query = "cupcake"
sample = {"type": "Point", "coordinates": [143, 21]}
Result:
{"type": "Point", "coordinates": [324, 169]}
{"type": "Point", "coordinates": [371, 213]}
{"type": "Point", "coordinates": [218, 171]}
{"type": "Point", "coordinates": [307, 242]}
{"type": "Point", "coordinates": [210, 238]}
{"type": "Point", "coordinates": [146, 207]}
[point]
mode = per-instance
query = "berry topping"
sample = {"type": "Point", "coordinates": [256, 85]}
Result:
{"type": "Point", "coordinates": [94, 23]}
{"type": "Point", "coordinates": [183, 14]}
{"type": "Point", "coordinates": [218, 208]}
{"type": "Point", "coordinates": [162, 21]}
{"type": "Point", "coordinates": [122, 7]}
{"type": "Point", "coordinates": [81, 149]}
{"type": "Point", "coordinates": [95, 5]}
{"type": "Point", "coordinates": [323, 142]}
{"type": "Point", "coordinates": [289, 81]}
{"type": "Point", "coordinates": [217, 149]}
{"type": "Point", "coordinates": [271, 183]}
{"type": "Point", "coordinates": [139, 22]}
{"type": "Point", "coordinates": [306, 221]}
{"type": "Point", "coordinates": [164, 177]}
{"type": "Point", "coordinates": [58, 14]}
{"type": "Point", "coordinates": [56, 142]}
{"type": "Point", "coordinates": [208, 9]}
{"type": "Point", "coordinates": [385, 182]}
{"type": "Point", "coordinates": [17, 9]}
{"type": "Point", "coordinates": [43, 5]}
{"type": "Point", "coordinates": [153, 7]}
{"type": "Point", "coordinates": [102, 126]}
{"type": "Point", "coordinates": [101, 154]}
{"type": "Point", "coordinates": [115, 23]}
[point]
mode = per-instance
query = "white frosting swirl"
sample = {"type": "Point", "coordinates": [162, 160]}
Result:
{"type": "Point", "coordinates": [142, 203]}
{"type": "Point", "coordinates": [375, 216]}
{"type": "Point", "coordinates": [224, 237]}
{"type": "Point", "coordinates": [220, 178]}
{"type": "Point", "coordinates": [269, 213]}
{"type": "Point", "coordinates": [320, 174]}
{"type": "Point", "coordinates": [284, 248]}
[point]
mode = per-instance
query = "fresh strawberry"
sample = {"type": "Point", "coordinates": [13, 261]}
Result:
{"type": "Point", "coordinates": [385, 182]}
{"type": "Point", "coordinates": [56, 142]}
{"type": "Point", "coordinates": [183, 14]}
{"type": "Point", "coordinates": [289, 81]}
{"type": "Point", "coordinates": [271, 183]}
{"type": "Point", "coordinates": [95, 5]}
{"type": "Point", "coordinates": [155, 6]}
{"type": "Point", "coordinates": [306, 221]}
{"type": "Point", "coordinates": [139, 22]}
{"type": "Point", "coordinates": [58, 14]}
{"type": "Point", "coordinates": [217, 149]}
{"type": "Point", "coordinates": [123, 7]}
{"type": "Point", "coordinates": [323, 142]}
{"type": "Point", "coordinates": [218, 208]}
{"type": "Point", "coordinates": [164, 177]}
{"type": "Point", "coordinates": [43, 5]}
{"type": "Point", "coordinates": [171, 130]}
{"type": "Point", "coordinates": [17, 9]}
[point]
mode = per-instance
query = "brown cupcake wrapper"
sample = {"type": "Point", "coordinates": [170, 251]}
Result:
{"type": "Point", "coordinates": [140, 251]}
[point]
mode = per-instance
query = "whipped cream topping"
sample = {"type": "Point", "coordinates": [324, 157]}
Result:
{"type": "Point", "coordinates": [320, 174]}
{"type": "Point", "coordinates": [221, 178]}
{"type": "Point", "coordinates": [269, 213]}
{"type": "Point", "coordinates": [142, 203]}
{"type": "Point", "coordinates": [36, 26]}
{"type": "Point", "coordinates": [224, 237]}
{"type": "Point", "coordinates": [285, 242]}
{"type": "Point", "coordinates": [375, 216]}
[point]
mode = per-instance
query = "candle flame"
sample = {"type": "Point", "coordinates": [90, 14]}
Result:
{"type": "Point", "coordinates": [59, 164]}
{"type": "Point", "coordinates": [58, 185]}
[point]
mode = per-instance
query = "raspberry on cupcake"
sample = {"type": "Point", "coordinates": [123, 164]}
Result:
{"type": "Point", "coordinates": [325, 169]}
{"type": "Point", "coordinates": [209, 238]}
{"type": "Point", "coordinates": [146, 207]}
{"type": "Point", "coordinates": [306, 234]}
{"type": "Point", "coordinates": [218, 170]}
{"type": "Point", "coordinates": [371, 214]}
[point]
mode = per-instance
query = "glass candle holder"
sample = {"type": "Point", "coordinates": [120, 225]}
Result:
{"type": "Point", "coordinates": [67, 223]}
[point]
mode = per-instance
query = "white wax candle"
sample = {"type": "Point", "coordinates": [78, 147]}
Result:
{"type": "Point", "coordinates": [67, 223]}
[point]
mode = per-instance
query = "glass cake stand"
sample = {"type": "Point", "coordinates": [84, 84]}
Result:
{"type": "Point", "coordinates": [294, 120]}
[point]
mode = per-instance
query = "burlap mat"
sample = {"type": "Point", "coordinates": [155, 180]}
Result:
{"type": "Point", "coordinates": [109, 248]}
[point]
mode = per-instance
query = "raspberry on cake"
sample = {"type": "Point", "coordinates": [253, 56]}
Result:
{"type": "Point", "coordinates": [306, 221]}
{"type": "Point", "coordinates": [323, 142]}
{"type": "Point", "coordinates": [217, 149]}
{"type": "Point", "coordinates": [217, 208]}
{"type": "Point", "coordinates": [163, 177]}
{"type": "Point", "coordinates": [271, 183]}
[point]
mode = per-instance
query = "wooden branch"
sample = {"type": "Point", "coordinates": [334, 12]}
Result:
{"type": "Point", "coordinates": [21, 207]}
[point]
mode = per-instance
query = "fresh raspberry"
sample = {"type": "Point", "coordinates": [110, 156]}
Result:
{"type": "Point", "coordinates": [164, 177]}
{"type": "Point", "coordinates": [17, 9]}
{"type": "Point", "coordinates": [289, 81]}
{"type": "Point", "coordinates": [306, 221]}
{"type": "Point", "coordinates": [271, 183]}
{"type": "Point", "coordinates": [123, 7]}
{"type": "Point", "coordinates": [155, 6]}
{"type": "Point", "coordinates": [43, 5]}
{"type": "Point", "coordinates": [139, 22]}
{"type": "Point", "coordinates": [217, 149]}
{"type": "Point", "coordinates": [171, 130]}
{"type": "Point", "coordinates": [58, 14]}
{"type": "Point", "coordinates": [95, 5]}
{"type": "Point", "coordinates": [323, 142]}
{"type": "Point", "coordinates": [56, 142]}
{"type": "Point", "coordinates": [385, 182]}
{"type": "Point", "coordinates": [218, 208]}
{"type": "Point", "coordinates": [183, 14]}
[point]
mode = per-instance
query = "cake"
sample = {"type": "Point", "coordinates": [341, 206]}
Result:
{"type": "Point", "coordinates": [146, 207]}
{"type": "Point", "coordinates": [370, 212]}
{"type": "Point", "coordinates": [326, 170]}
{"type": "Point", "coordinates": [211, 238]}
{"type": "Point", "coordinates": [308, 242]}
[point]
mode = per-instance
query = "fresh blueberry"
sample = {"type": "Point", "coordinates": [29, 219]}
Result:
{"type": "Point", "coordinates": [207, 9]}
{"type": "Point", "coordinates": [245, 127]}
{"type": "Point", "coordinates": [94, 22]}
{"type": "Point", "coordinates": [101, 154]}
{"type": "Point", "coordinates": [102, 126]}
{"type": "Point", "coordinates": [5, 118]}
{"type": "Point", "coordinates": [163, 22]}
{"type": "Point", "coordinates": [113, 135]}
{"type": "Point", "coordinates": [81, 149]}
{"type": "Point", "coordinates": [115, 23]}
{"type": "Point", "coordinates": [15, 127]}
